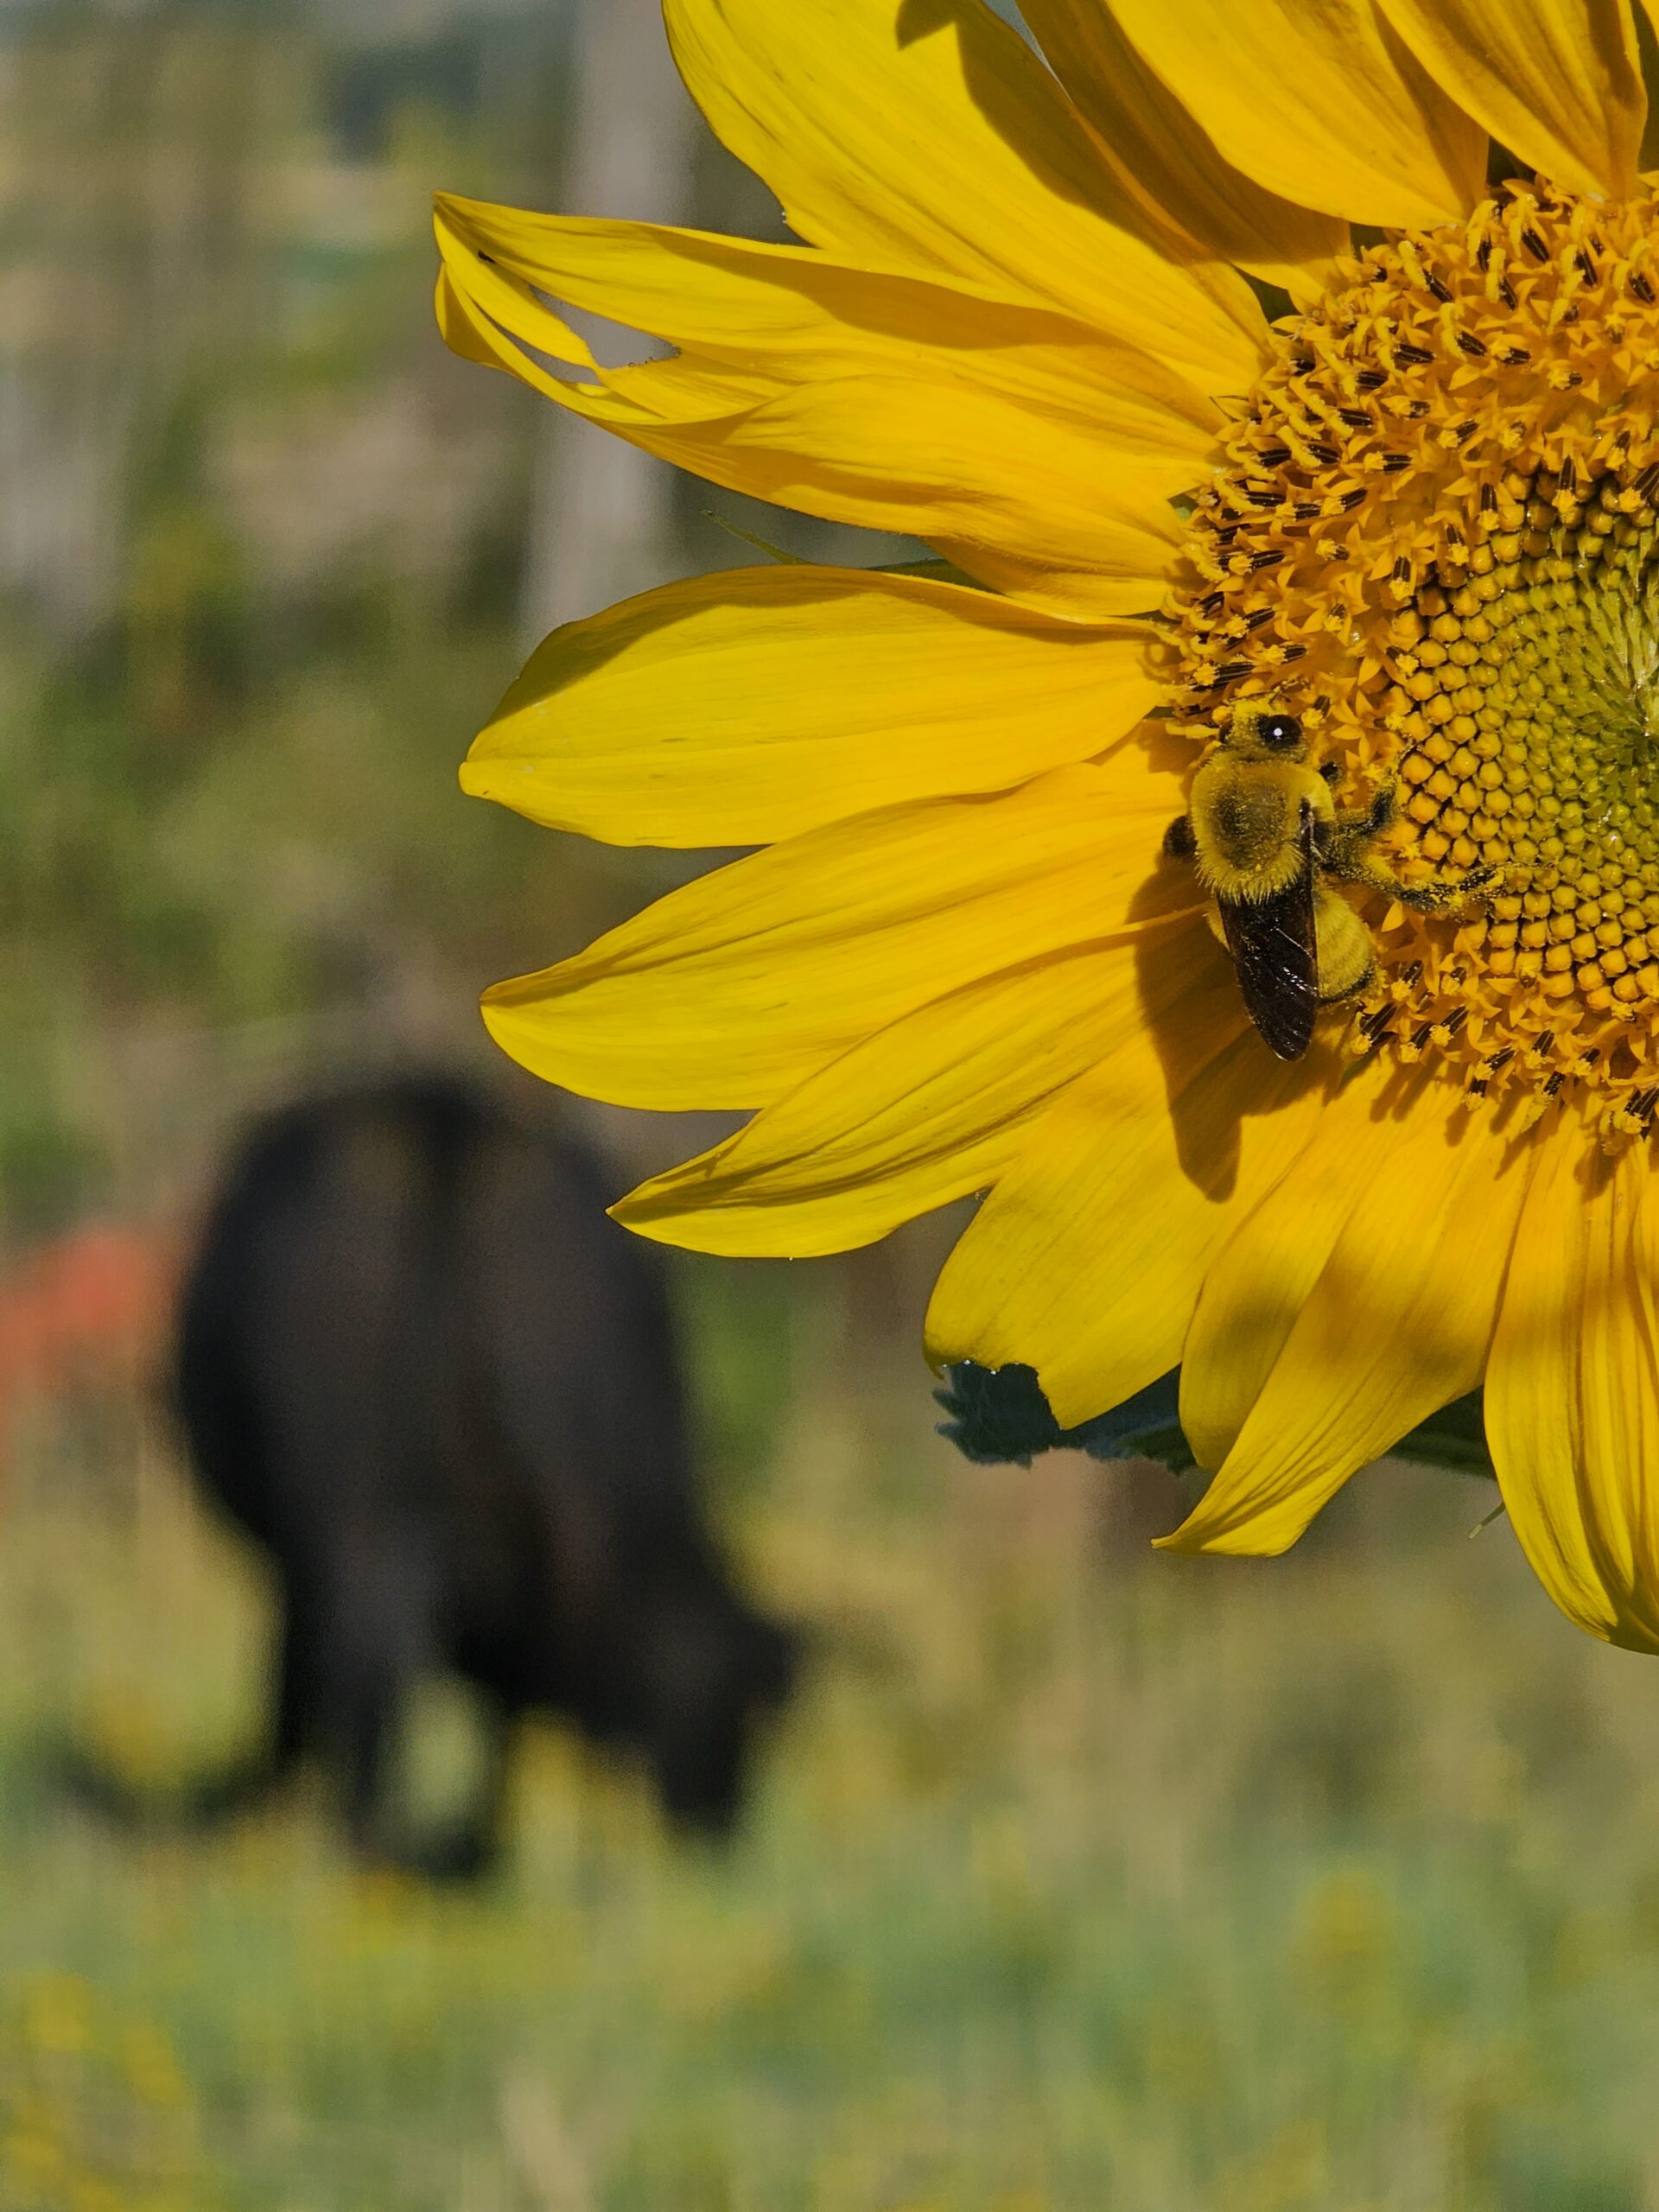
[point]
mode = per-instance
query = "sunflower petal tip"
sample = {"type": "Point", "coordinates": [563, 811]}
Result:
{"type": "Point", "coordinates": [1200, 1537]}
{"type": "Point", "coordinates": [642, 1219]}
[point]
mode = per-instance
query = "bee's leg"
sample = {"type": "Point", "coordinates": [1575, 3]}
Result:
{"type": "Point", "coordinates": [1347, 854]}
{"type": "Point", "coordinates": [1380, 814]}
{"type": "Point", "coordinates": [1341, 844]}
{"type": "Point", "coordinates": [1435, 898]}
{"type": "Point", "coordinates": [1346, 850]}
{"type": "Point", "coordinates": [1344, 839]}
{"type": "Point", "coordinates": [1351, 860]}
{"type": "Point", "coordinates": [1179, 843]}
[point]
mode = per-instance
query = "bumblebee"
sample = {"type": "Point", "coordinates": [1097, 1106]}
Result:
{"type": "Point", "coordinates": [1269, 841]}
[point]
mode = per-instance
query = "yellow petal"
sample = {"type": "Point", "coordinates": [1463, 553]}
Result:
{"type": "Point", "coordinates": [925, 135]}
{"type": "Point", "coordinates": [1319, 100]}
{"type": "Point", "coordinates": [1134, 586]}
{"type": "Point", "coordinates": [734, 989]}
{"type": "Point", "coordinates": [1396, 1327]}
{"type": "Point", "coordinates": [740, 709]}
{"type": "Point", "coordinates": [1161, 151]}
{"type": "Point", "coordinates": [1086, 1258]}
{"type": "Point", "coordinates": [463, 329]}
{"type": "Point", "coordinates": [867, 398]}
{"type": "Point", "coordinates": [1572, 1389]}
{"type": "Point", "coordinates": [931, 1108]}
{"type": "Point", "coordinates": [1260, 1277]}
{"type": "Point", "coordinates": [1556, 81]}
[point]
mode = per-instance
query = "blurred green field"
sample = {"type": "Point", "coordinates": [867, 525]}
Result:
{"type": "Point", "coordinates": [1080, 1879]}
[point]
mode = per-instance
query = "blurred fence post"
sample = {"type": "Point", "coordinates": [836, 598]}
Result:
{"type": "Point", "coordinates": [601, 525]}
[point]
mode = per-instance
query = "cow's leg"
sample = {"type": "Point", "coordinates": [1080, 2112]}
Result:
{"type": "Point", "coordinates": [294, 1723]}
{"type": "Point", "coordinates": [377, 1635]}
{"type": "Point", "coordinates": [368, 1713]}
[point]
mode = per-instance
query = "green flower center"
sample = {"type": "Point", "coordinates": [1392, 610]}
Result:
{"type": "Point", "coordinates": [1540, 685]}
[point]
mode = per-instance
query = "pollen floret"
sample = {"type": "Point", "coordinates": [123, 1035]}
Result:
{"type": "Point", "coordinates": [1437, 541]}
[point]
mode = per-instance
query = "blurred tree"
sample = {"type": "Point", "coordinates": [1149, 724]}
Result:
{"type": "Point", "coordinates": [601, 511]}
{"type": "Point", "coordinates": [259, 540]}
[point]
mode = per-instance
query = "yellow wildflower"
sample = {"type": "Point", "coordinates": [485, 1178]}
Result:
{"type": "Point", "coordinates": [1413, 522]}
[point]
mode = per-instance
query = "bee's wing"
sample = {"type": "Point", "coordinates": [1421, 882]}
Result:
{"type": "Point", "coordinates": [1274, 947]}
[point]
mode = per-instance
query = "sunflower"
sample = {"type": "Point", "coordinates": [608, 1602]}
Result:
{"type": "Point", "coordinates": [1238, 360]}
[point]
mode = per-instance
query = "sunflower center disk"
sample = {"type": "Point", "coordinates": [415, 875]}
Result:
{"type": "Point", "coordinates": [1436, 542]}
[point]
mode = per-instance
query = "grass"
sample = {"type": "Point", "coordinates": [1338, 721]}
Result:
{"type": "Point", "coordinates": [1081, 1878]}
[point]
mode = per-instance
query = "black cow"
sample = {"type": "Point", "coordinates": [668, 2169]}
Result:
{"type": "Point", "coordinates": [418, 1363]}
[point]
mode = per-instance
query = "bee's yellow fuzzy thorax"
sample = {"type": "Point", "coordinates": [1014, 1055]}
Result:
{"type": "Point", "coordinates": [1249, 848]}
{"type": "Point", "coordinates": [1436, 542]}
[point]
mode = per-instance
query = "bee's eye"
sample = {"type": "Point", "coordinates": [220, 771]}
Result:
{"type": "Point", "coordinates": [1281, 732]}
